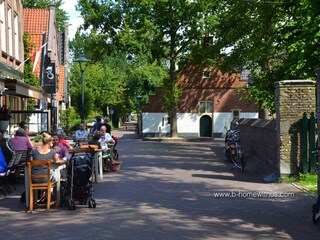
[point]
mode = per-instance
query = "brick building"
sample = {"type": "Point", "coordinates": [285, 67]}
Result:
{"type": "Point", "coordinates": [207, 105]}
{"type": "Point", "coordinates": [50, 55]}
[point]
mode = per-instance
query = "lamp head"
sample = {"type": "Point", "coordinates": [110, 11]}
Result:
{"type": "Point", "coordinates": [82, 62]}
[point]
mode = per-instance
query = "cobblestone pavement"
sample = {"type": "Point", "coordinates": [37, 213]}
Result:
{"type": "Point", "coordinates": [169, 191]}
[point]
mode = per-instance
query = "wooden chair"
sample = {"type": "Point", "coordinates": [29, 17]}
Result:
{"type": "Point", "coordinates": [24, 157]}
{"type": "Point", "coordinates": [47, 185]}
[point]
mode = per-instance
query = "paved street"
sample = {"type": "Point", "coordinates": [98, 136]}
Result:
{"type": "Point", "coordinates": [169, 191]}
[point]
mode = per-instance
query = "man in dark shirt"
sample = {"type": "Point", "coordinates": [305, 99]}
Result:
{"type": "Point", "coordinates": [106, 124]}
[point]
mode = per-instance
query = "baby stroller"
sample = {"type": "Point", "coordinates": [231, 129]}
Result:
{"type": "Point", "coordinates": [78, 186]}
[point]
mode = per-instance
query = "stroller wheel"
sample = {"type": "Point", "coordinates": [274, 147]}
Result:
{"type": "Point", "coordinates": [71, 205]}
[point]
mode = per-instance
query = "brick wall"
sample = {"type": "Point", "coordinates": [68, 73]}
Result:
{"type": "Point", "coordinates": [258, 141]}
{"type": "Point", "coordinates": [292, 98]}
{"type": "Point", "coordinates": [275, 144]}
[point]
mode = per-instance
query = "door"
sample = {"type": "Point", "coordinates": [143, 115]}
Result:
{"type": "Point", "coordinates": [205, 126]}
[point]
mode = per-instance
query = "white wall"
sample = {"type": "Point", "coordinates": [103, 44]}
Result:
{"type": "Point", "coordinates": [189, 122]}
{"type": "Point", "coordinates": [222, 120]}
{"type": "Point", "coordinates": [153, 122]}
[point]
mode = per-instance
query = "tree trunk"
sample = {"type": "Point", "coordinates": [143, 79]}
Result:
{"type": "Point", "coordinates": [263, 113]}
{"type": "Point", "coordinates": [173, 123]}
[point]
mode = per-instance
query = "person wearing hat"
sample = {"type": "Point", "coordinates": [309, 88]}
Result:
{"type": "Point", "coordinates": [20, 141]}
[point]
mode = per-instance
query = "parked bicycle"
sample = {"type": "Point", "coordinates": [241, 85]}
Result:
{"type": "Point", "coordinates": [233, 151]}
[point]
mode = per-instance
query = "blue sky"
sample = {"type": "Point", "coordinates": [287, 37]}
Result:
{"type": "Point", "coordinates": [74, 17]}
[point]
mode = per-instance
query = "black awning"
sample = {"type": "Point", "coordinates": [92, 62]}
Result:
{"type": "Point", "coordinates": [19, 88]}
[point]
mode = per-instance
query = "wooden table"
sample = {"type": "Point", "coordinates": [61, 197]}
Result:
{"type": "Point", "coordinates": [58, 170]}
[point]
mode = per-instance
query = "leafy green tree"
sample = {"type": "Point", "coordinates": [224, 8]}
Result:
{"type": "Point", "coordinates": [69, 120]}
{"type": "Point", "coordinates": [29, 77]}
{"type": "Point", "coordinates": [114, 80]}
{"type": "Point", "coordinates": [62, 17]}
{"type": "Point", "coordinates": [157, 31]}
{"type": "Point", "coordinates": [279, 40]}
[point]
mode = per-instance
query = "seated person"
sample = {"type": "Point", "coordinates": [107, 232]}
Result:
{"type": "Point", "coordinates": [96, 126]}
{"type": "Point", "coordinates": [81, 134]}
{"type": "Point", "coordinates": [6, 148]}
{"type": "Point", "coordinates": [20, 141]}
{"type": "Point", "coordinates": [108, 129]}
{"type": "Point", "coordinates": [26, 133]}
{"type": "Point", "coordinates": [61, 151]}
{"type": "Point", "coordinates": [105, 138]}
{"type": "Point", "coordinates": [63, 141]}
{"type": "Point", "coordinates": [3, 164]}
{"type": "Point", "coordinates": [95, 140]}
{"type": "Point", "coordinates": [44, 152]}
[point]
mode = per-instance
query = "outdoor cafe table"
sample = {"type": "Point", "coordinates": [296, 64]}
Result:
{"type": "Point", "coordinates": [57, 168]}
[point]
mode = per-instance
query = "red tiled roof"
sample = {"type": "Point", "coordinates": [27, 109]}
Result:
{"type": "Point", "coordinates": [36, 22]}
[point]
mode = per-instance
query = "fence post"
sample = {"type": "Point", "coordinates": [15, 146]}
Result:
{"type": "Point", "coordinates": [312, 143]}
{"type": "Point", "coordinates": [304, 144]}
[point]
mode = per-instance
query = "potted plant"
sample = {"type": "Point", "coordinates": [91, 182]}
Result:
{"type": "Point", "coordinates": [4, 117]}
{"type": "Point", "coordinates": [37, 140]}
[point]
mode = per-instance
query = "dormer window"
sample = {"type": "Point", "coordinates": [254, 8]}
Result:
{"type": "Point", "coordinates": [206, 74]}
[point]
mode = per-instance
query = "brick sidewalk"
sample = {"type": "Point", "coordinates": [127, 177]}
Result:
{"type": "Point", "coordinates": [171, 191]}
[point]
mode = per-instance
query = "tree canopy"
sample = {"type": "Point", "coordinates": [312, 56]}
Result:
{"type": "Point", "coordinates": [152, 31]}
{"type": "Point", "coordinates": [277, 40]}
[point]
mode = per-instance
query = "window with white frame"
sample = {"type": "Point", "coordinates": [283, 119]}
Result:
{"type": "Point", "coordinates": [3, 26]}
{"type": "Point", "coordinates": [10, 41]}
{"type": "Point", "coordinates": [165, 121]}
{"type": "Point", "coordinates": [206, 107]}
{"type": "Point", "coordinates": [236, 113]}
{"type": "Point", "coordinates": [16, 36]}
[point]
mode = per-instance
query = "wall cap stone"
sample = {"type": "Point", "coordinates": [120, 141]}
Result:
{"type": "Point", "coordinates": [296, 82]}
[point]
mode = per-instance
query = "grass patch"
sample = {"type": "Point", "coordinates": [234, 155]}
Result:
{"type": "Point", "coordinates": [289, 179]}
{"type": "Point", "coordinates": [306, 181]}
{"type": "Point", "coordinates": [309, 181]}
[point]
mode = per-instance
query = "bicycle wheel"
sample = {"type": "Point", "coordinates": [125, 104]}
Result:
{"type": "Point", "coordinates": [242, 163]}
{"type": "Point", "coordinates": [236, 161]}
{"type": "Point", "coordinates": [316, 217]}
{"type": "Point", "coordinates": [227, 154]}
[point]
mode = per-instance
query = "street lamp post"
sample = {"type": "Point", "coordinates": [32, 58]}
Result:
{"type": "Point", "coordinates": [83, 64]}
{"type": "Point", "coordinates": [139, 114]}
{"type": "Point", "coordinates": [111, 113]}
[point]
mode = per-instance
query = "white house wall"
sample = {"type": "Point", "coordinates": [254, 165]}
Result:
{"type": "Point", "coordinates": [222, 121]}
{"type": "Point", "coordinates": [156, 124]}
